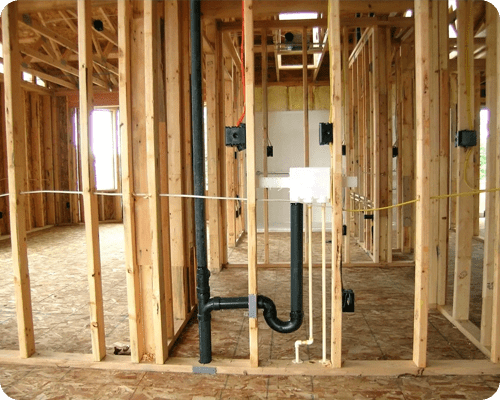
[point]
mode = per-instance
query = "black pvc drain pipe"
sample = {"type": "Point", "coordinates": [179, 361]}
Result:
{"type": "Point", "coordinates": [205, 304]}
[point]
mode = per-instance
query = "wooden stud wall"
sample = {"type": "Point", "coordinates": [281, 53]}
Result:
{"type": "Point", "coordinates": [381, 87]}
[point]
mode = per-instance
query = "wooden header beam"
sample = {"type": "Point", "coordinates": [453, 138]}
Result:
{"type": "Point", "coordinates": [232, 8]}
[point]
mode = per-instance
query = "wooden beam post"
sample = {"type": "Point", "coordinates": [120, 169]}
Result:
{"type": "Point", "coordinates": [444, 152]}
{"type": "Point", "coordinates": [37, 160]}
{"type": "Point", "coordinates": [251, 176]}
{"type": "Point", "coordinates": [422, 75]}
{"type": "Point", "coordinates": [465, 180]}
{"type": "Point", "coordinates": [214, 259]}
{"type": "Point", "coordinates": [491, 149]}
{"type": "Point", "coordinates": [495, 322]}
{"type": "Point", "coordinates": [175, 159]}
{"type": "Point", "coordinates": [265, 140]}
{"type": "Point", "coordinates": [407, 149]}
{"type": "Point", "coordinates": [382, 238]}
{"type": "Point", "coordinates": [230, 159]}
{"type": "Point", "coordinates": [476, 153]}
{"type": "Point", "coordinates": [305, 106]}
{"type": "Point", "coordinates": [187, 149]}
{"type": "Point", "coordinates": [88, 184]}
{"type": "Point", "coordinates": [160, 260]}
{"type": "Point", "coordinates": [16, 145]}
{"type": "Point", "coordinates": [221, 146]}
{"type": "Point", "coordinates": [347, 134]}
{"type": "Point", "coordinates": [453, 152]}
{"type": "Point", "coordinates": [133, 275]}
{"type": "Point", "coordinates": [49, 160]}
{"type": "Point", "coordinates": [336, 160]}
{"type": "Point", "coordinates": [434, 152]}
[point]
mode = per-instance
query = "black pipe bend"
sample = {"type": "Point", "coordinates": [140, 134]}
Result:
{"type": "Point", "coordinates": [272, 320]}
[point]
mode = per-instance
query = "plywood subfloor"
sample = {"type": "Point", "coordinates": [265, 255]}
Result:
{"type": "Point", "coordinates": [381, 327]}
{"type": "Point", "coordinates": [22, 382]}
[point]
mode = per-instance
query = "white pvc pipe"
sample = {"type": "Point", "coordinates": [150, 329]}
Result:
{"type": "Point", "coordinates": [323, 280]}
{"type": "Point", "coordinates": [309, 341]}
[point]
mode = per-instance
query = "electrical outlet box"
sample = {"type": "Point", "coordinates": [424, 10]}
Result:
{"type": "Point", "coordinates": [325, 133]}
{"type": "Point", "coordinates": [466, 138]}
{"type": "Point", "coordinates": [347, 300]}
{"type": "Point", "coordinates": [236, 137]}
{"type": "Point", "coordinates": [344, 150]}
{"type": "Point", "coordinates": [395, 151]}
{"type": "Point", "coordinates": [368, 216]}
{"type": "Point", "coordinates": [1, 215]}
{"type": "Point", "coordinates": [269, 151]}
{"type": "Point", "coordinates": [344, 230]}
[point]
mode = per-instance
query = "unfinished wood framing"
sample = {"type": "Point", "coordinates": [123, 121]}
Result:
{"type": "Point", "coordinates": [251, 176]}
{"type": "Point", "coordinates": [423, 128]}
{"type": "Point", "coordinates": [211, 62]}
{"type": "Point", "coordinates": [465, 204]}
{"type": "Point", "coordinates": [265, 137]}
{"type": "Point", "coordinates": [133, 273]}
{"type": "Point", "coordinates": [491, 147]}
{"type": "Point", "coordinates": [336, 172]}
{"type": "Point", "coordinates": [16, 144]}
{"type": "Point", "coordinates": [179, 253]}
{"type": "Point", "coordinates": [495, 332]}
{"type": "Point", "coordinates": [382, 81]}
{"type": "Point", "coordinates": [160, 256]}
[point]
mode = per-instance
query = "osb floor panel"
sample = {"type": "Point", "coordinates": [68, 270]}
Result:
{"type": "Point", "coordinates": [381, 327]}
{"type": "Point", "coordinates": [27, 383]}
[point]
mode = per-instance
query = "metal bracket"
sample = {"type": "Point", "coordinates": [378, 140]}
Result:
{"type": "Point", "coordinates": [205, 370]}
{"type": "Point", "coordinates": [252, 306]}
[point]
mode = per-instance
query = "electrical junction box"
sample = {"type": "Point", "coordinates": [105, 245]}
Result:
{"type": "Point", "coordinates": [347, 301]}
{"type": "Point", "coordinates": [466, 138]}
{"type": "Point", "coordinates": [236, 137]}
{"type": "Point", "coordinates": [325, 133]}
{"type": "Point", "coordinates": [310, 185]}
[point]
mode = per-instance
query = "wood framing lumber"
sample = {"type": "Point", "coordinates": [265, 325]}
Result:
{"type": "Point", "coordinates": [15, 135]}
{"type": "Point", "coordinates": [495, 322]}
{"type": "Point", "coordinates": [336, 194]}
{"type": "Point", "coordinates": [159, 264]}
{"type": "Point", "coordinates": [37, 161]}
{"type": "Point", "coordinates": [49, 159]}
{"type": "Point", "coordinates": [491, 151]}
{"type": "Point", "coordinates": [265, 138]}
{"type": "Point", "coordinates": [434, 151]}
{"type": "Point", "coordinates": [88, 183]}
{"type": "Point", "coordinates": [214, 259]}
{"type": "Point", "coordinates": [133, 275]}
{"type": "Point", "coordinates": [467, 328]}
{"type": "Point", "coordinates": [175, 160]}
{"type": "Point", "coordinates": [465, 204]}
{"type": "Point", "coordinates": [58, 64]}
{"type": "Point", "coordinates": [422, 74]}
{"type": "Point", "coordinates": [221, 140]}
{"type": "Point", "coordinates": [382, 245]}
{"type": "Point", "coordinates": [251, 174]}
{"type": "Point", "coordinates": [444, 152]}
{"type": "Point", "coordinates": [232, 9]}
{"type": "Point", "coordinates": [228, 43]}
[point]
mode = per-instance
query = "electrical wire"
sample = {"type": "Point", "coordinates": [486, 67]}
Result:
{"type": "Point", "coordinates": [443, 196]}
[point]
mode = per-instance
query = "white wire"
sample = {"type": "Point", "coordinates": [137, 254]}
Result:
{"type": "Point", "coordinates": [52, 191]}
{"type": "Point", "coordinates": [4, 195]}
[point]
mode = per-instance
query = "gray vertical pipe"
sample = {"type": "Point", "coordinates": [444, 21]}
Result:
{"type": "Point", "coordinates": [202, 272]}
